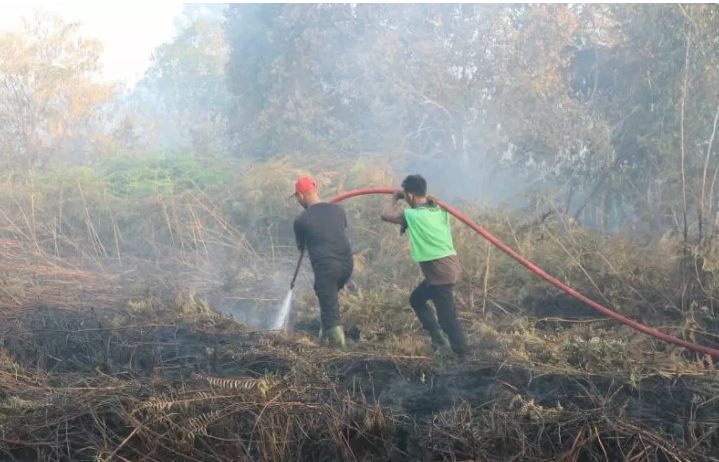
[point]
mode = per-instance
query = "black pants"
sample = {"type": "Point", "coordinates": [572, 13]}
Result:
{"type": "Point", "coordinates": [443, 300]}
{"type": "Point", "coordinates": [330, 277]}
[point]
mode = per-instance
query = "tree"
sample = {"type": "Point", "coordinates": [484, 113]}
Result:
{"type": "Point", "coordinates": [612, 107]}
{"type": "Point", "coordinates": [183, 94]}
{"type": "Point", "coordinates": [292, 75]}
{"type": "Point", "coordinates": [47, 89]}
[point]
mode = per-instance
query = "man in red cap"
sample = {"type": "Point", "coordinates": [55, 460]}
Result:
{"type": "Point", "coordinates": [320, 229]}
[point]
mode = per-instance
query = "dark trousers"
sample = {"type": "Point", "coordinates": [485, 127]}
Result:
{"type": "Point", "coordinates": [330, 277]}
{"type": "Point", "coordinates": [443, 300]}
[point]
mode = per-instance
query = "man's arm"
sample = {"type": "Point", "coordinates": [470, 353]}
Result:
{"type": "Point", "coordinates": [393, 214]}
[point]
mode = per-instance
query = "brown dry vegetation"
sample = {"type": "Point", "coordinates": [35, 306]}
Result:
{"type": "Point", "coordinates": [114, 346]}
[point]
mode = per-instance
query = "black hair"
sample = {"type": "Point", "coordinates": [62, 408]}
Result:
{"type": "Point", "coordinates": [415, 184]}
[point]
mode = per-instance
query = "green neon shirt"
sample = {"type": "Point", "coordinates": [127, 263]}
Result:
{"type": "Point", "coordinates": [430, 234]}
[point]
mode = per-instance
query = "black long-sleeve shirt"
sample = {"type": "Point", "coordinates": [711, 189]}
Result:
{"type": "Point", "coordinates": [321, 230]}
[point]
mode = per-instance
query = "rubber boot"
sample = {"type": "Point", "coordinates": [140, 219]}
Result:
{"type": "Point", "coordinates": [439, 341]}
{"type": "Point", "coordinates": [336, 337]}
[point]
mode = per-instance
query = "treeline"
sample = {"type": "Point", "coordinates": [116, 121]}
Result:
{"type": "Point", "coordinates": [609, 110]}
{"type": "Point", "coordinates": [613, 105]}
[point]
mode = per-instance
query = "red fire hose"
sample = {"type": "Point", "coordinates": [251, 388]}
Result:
{"type": "Point", "coordinates": [544, 275]}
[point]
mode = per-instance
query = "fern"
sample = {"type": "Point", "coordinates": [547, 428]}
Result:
{"type": "Point", "coordinates": [262, 385]}
{"type": "Point", "coordinates": [198, 425]}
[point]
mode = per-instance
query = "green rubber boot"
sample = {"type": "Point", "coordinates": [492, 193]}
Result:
{"type": "Point", "coordinates": [439, 341]}
{"type": "Point", "coordinates": [336, 337]}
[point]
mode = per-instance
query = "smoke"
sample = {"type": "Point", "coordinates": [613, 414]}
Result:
{"type": "Point", "coordinates": [485, 180]}
{"type": "Point", "coordinates": [253, 291]}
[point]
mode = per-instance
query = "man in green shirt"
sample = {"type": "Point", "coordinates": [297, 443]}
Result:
{"type": "Point", "coordinates": [430, 237]}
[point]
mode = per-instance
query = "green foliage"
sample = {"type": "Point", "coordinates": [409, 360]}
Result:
{"type": "Point", "coordinates": [163, 173]}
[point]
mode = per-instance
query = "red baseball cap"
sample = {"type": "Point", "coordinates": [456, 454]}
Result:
{"type": "Point", "coordinates": [305, 184]}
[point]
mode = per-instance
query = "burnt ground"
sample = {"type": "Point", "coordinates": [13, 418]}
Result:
{"type": "Point", "coordinates": [382, 406]}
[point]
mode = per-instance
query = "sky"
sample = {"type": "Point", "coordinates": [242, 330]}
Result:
{"type": "Point", "coordinates": [129, 30]}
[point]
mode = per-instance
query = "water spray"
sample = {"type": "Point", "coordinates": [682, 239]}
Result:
{"type": "Point", "coordinates": [286, 307]}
